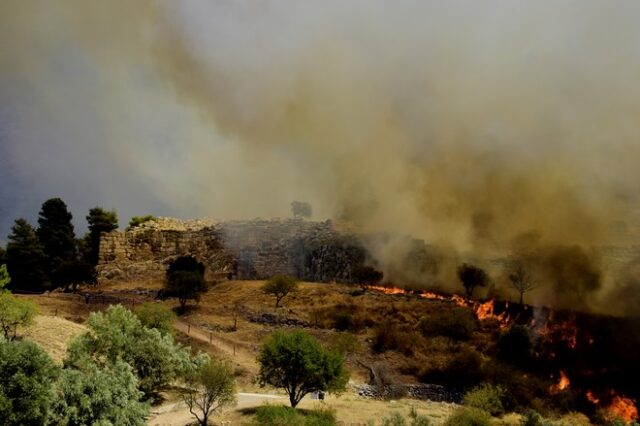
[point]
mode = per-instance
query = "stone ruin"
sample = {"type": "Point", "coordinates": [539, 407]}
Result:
{"type": "Point", "coordinates": [255, 249]}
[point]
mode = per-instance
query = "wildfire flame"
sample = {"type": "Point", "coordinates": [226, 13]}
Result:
{"type": "Point", "coordinates": [592, 398]}
{"type": "Point", "coordinates": [562, 384]}
{"type": "Point", "coordinates": [623, 408]}
{"type": "Point", "coordinates": [620, 408]}
{"type": "Point", "coordinates": [482, 310]}
{"type": "Point", "coordinates": [387, 290]}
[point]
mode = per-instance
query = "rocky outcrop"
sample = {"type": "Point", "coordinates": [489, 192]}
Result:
{"type": "Point", "coordinates": [257, 249]}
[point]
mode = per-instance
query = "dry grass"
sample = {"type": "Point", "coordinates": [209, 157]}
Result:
{"type": "Point", "coordinates": [53, 334]}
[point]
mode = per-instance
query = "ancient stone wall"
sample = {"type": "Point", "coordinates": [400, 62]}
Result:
{"type": "Point", "coordinates": [258, 249]}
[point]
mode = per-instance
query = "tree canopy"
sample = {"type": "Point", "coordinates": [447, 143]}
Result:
{"type": "Point", "coordinates": [99, 220]}
{"type": "Point", "coordinates": [210, 387]}
{"type": "Point", "coordinates": [26, 376]}
{"type": "Point", "coordinates": [55, 232]}
{"type": "Point", "coordinates": [185, 280]}
{"type": "Point", "coordinates": [280, 286]}
{"type": "Point", "coordinates": [26, 260]}
{"type": "Point", "coordinates": [471, 277]}
{"type": "Point", "coordinates": [94, 395]}
{"type": "Point", "coordinates": [117, 334]}
{"type": "Point", "coordinates": [297, 363]}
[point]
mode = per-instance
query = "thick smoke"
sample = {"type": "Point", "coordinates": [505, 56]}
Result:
{"type": "Point", "coordinates": [477, 127]}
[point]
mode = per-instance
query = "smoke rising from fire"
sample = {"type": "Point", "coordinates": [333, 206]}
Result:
{"type": "Point", "coordinates": [486, 129]}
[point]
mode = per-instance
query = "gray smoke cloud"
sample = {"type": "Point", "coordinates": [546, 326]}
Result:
{"type": "Point", "coordinates": [474, 126]}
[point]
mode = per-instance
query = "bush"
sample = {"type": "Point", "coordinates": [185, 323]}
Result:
{"type": "Point", "coordinates": [457, 323]}
{"type": "Point", "coordinates": [118, 334]}
{"type": "Point", "coordinates": [486, 397]}
{"type": "Point", "coordinates": [464, 369]}
{"type": "Point", "coordinates": [97, 395]}
{"type": "Point", "coordinates": [468, 417]}
{"type": "Point", "coordinates": [514, 345]}
{"type": "Point", "coordinates": [279, 415]}
{"type": "Point", "coordinates": [15, 313]}
{"type": "Point", "coordinates": [26, 374]}
{"type": "Point", "coordinates": [389, 336]}
{"type": "Point", "coordinates": [156, 315]}
{"type": "Point", "coordinates": [396, 419]}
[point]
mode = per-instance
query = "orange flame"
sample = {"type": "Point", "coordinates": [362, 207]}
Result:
{"type": "Point", "coordinates": [482, 310]}
{"type": "Point", "coordinates": [562, 384]}
{"type": "Point", "coordinates": [592, 398]}
{"type": "Point", "coordinates": [623, 408]}
{"type": "Point", "coordinates": [387, 290]}
{"type": "Point", "coordinates": [429, 295]}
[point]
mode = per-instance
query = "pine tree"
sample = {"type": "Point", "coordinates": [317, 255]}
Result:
{"type": "Point", "coordinates": [56, 232]}
{"type": "Point", "coordinates": [26, 260]}
{"type": "Point", "coordinates": [100, 220]}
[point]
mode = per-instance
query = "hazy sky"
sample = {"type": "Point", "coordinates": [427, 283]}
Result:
{"type": "Point", "coordinates": [463, 122]}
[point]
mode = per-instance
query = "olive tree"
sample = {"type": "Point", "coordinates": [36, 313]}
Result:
{"type": "Point", "coordinates": [280, 286]}
{"type": "Point", "coordinates": [298, 363]}
{"type": "Point", "coordinates": [117, 334]}
{"type": "Point", "coordinates": [185, 280]}
{"type": "Point", "coordinates": [471, 277]}
{"type": "Point", "coordinates": [209, 388]}
{"type": "Point", "coordinates": [100, 395]}
{"type": "Point", "coordinates": [26, 375]}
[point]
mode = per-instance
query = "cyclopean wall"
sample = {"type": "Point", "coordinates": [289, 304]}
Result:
{"type": "Point", "coordinates": [256, 249]}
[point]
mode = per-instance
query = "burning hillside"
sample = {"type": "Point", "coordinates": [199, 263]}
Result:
{"type": "Point", "coordinates": [582, 354]}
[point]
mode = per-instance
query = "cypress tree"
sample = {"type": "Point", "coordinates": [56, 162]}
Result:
{"type": "Point", "coordinates": [26, 260]}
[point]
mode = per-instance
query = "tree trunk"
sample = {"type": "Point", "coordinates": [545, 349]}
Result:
{"type": "Point", "coordinates": [522, 297]}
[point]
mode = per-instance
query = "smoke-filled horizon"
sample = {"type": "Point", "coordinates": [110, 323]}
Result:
{"type": "Point", "coordinates": [476, 126]}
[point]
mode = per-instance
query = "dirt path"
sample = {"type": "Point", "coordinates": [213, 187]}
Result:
{"type": "Point", "coordinates": [177, 413]}
{"type": "Point", "coordinates": [234, 352]}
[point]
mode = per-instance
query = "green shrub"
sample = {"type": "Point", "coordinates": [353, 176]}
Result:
{"type": "Point", "coordinates": [279, 415]}
{"type": "Point", "coordinates": [15, 313]}
{"type": "Point", "coordinates": [396, 419]}
{"type": "Point", "coordinates": [456, 323]}
{"type": "Point", "coordinates": [117, 334]}
{"type": "Point", "coordinates": [468, 417]}
{"type": "Point", "coordinates": [156, 315]}
{"type": "Point", "coordinates": [486, 397]}
{"type": "Point", "coordinates": [26, 374]}
{"type": "Point", "coordinates": [320, 417]}
{"type": "Point", "coordinates": [139, 220]}
{"type": "Point", "coordinates": [533, 418]}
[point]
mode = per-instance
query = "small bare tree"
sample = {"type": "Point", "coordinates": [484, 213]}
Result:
{"type": "Point", "coordinates": [521, 280]}
{"type": "Point", "coordinates": [237, 310]}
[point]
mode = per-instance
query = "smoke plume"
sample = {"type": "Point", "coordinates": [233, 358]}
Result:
{"type": "Point", "coordinates": [477, 127]}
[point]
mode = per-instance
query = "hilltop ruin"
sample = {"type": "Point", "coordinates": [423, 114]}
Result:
{"type": "Point", "coordinates": [255, 249]}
